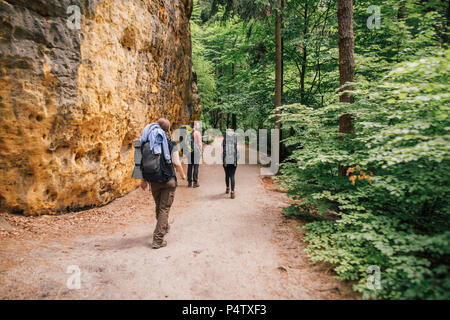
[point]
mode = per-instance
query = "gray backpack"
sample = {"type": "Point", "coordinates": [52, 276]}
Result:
{"type": "Point", "coordinates": [230, 148]}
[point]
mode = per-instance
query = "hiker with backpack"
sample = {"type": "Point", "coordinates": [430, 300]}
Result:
{"type": "Point", "coordinates": [160, 159]}
{"type": "Point", "coordinates": [230, 158]}
{"type": "Point", "coordinates": [194, 156]}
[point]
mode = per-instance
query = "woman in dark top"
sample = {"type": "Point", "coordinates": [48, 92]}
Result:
{"type": "Point", "coordinates": [230, 157]}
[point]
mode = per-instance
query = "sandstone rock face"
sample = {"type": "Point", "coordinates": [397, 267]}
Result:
{"type": "Point", "coordinates": [73, 100]}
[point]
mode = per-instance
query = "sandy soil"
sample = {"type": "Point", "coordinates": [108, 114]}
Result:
{"type": "Point", "coordinates": [218, 248]}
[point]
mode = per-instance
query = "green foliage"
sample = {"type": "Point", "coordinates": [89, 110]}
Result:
{"type": "Point", "coordinates": [236, 38]}
{"type": "Point", "coordinates": [204, 69]}
{"type": "Point", "coordinates": [392, 208]}
{"type": "Point", "coordinates": [234, 52]}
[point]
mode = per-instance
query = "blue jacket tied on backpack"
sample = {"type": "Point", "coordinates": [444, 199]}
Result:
{"type": "Point", "coordinates": [157, 138]}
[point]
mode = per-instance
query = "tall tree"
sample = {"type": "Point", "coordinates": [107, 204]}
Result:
{"type": "Point", "coordinates": [401, 15]}
{"type": "Point", "coordinates": [346, 63]}
{"type": "Point", "coordinates": [305, 55]}
{"type": "Point", "coordinates": [278, 59]}
{"type": "Point", "coordinates": [346, 48]}
{"type": "Point", "coordinates": [446, 24]}
{"type": "Point", "coordinates": [279, 71]}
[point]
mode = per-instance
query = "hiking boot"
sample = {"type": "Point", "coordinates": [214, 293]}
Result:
{"type": "Point", "coordinates": [227, 191]}
{"type": "Point", "coordinates": [189, 184]}
{"type": "Point", "coordinates": [159, 245]}
{"type": "Point", "coordinates": [196, 185]}
{"type": "Point", "coordinates": [232, 194]}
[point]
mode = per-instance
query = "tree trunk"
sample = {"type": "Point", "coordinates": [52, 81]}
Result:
{"type": "Point", "coordinates": [217, 71]}
{"type": "Point", "coordinates": [401, 14]}
{"type": "Point", "coordinates": [278, 66]}
{"type": "Point", "coordinates": [305, 56]}
{"type": "Point", "coordinates": [233, 121]}
{"type": "Point", "coordinates": [278, 61]}
{"type": "Point", "coordinates": [446, 24]}
{"type": "Point", "coordinates": [346, 48]}
{"type": "Point", "coordinates": [233, 116]}
{"type": "Point", "coordinates": [216, 119]}
{"type": "Point", "coordinates": [346, 63]}
{"type": "Point", "coordinates": [282, 54]}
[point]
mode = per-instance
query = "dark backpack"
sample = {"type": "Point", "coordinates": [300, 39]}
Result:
{"type": "Point", "coordinates": [150, 161]}
{"type": "Point", "coordinates": [155, 168]}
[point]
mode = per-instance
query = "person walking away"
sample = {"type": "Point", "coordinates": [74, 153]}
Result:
{"type": "Point", "coordinates": [194, 159]}
{"type": "Point", "coordinates": [159, 149]}
{"type": "Point", "coordinates": [230, 157]}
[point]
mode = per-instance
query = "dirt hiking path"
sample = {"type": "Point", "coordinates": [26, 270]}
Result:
{"type": "Point", "coordinates": [218, 248]}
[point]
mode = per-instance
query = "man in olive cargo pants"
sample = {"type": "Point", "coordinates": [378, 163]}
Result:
{"type": "Point", "coordinates": [163, 193]}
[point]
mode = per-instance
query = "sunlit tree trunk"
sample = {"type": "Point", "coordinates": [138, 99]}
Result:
{"type": "Point", "coordinates": [346, 48]}
{"type": "Point", "coordinates": [346, 63]}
